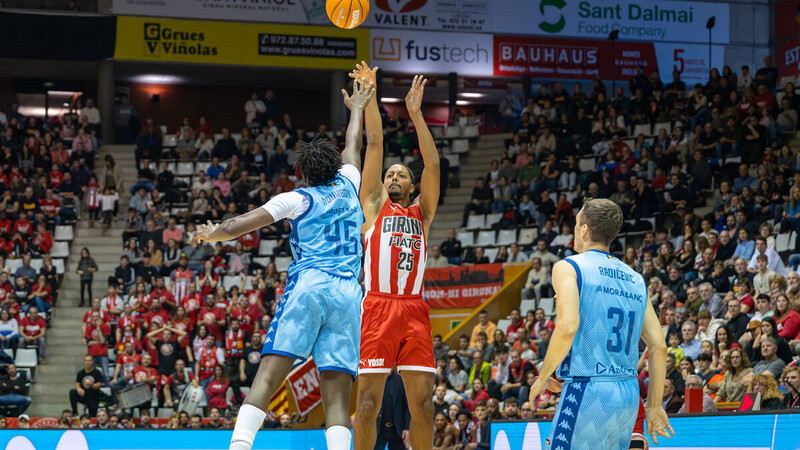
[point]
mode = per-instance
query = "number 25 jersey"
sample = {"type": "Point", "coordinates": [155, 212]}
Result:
{"type": "Point", "coordinates": [395, 251]}
{"type": "Point", "coordinates": [613, 299]}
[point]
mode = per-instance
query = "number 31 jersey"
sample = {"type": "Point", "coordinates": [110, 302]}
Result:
{"type": "Point", "coordinates": [613, 298]}
{"type": "Point", "coordinates": [395, 251]}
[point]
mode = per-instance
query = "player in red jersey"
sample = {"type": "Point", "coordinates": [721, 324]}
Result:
{"type": "Point", "coordinates": [638, 441]}
{"type": "Point", "coordinates": [395, 327]}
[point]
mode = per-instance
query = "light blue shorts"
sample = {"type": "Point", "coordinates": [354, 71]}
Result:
{"type": "Point", "coordinates": [319, 315]}
{"type": "Point", "coordinates": [595, 415]}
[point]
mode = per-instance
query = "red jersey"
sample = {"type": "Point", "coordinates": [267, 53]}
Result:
{"type": "Point", "coordinates": [24, 226]}
{"type": "Point", "coordinates": [140, 373]}
{"type": "Point", "coordinates": [208, 360]}
{"type": "Point", "coordinates": [93, 196]}
{"type": "Point", "coordinates": [30, 327]}
{"type": "Point", "coordinates": [5, 226]}
{"type": "Point", "coordinates": [87, 318]}
{"type": "Point", "coordinates": [55, 179]}
{"type": "Point", "coordinates": [395, 251]}
{"type": "Point", "coordinates": [210, 316]}
{"type": "Point", "coordinates": [93, 334]}
{"type": "Point", "coordinates": [50, 206]}
{"type": "Point", "coordinates": [128, 362]}
{"type": "Point", "coordinates": [181, 279]}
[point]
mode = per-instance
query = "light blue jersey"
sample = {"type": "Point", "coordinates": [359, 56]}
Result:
{"type": "Point", "coordinates": [319, 313]}
{"type": "Point", "coordinates": [600, 397]}
{"type": "Point", "coordinates": [327, 236]}
{"type": "Point", "coordinates": [613, 298]}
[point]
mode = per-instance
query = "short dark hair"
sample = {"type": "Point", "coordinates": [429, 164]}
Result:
{"type": "Point", "coordinates": [483, 311]}
{"type": "Point", "coordinates": [319, 160]}
{"type": "Point", "coordinates": [510, 401]}
{"type": "Point", "coordinates": [761, 238]}
{"type": "Point", "coordinates": [603, 217]}
{"type": "Point", "coordinates": [464, 412]}
{"type": "Point", "coordinates": [704, 357]}
{"type": "Point", "coordinates": [480, 403]}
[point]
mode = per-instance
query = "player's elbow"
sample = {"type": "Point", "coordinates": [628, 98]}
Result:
{"type": "Point", "coordinates": [567, 327]}
{"type": "Point", "coordinates": [657, 349]}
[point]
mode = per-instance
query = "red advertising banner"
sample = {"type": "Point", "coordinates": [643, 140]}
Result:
{"type": "Point", "coordinates": [304, 383]}
{"type": "Point", "coordinates": [462, 286]}
{"type": "Point", "coordinates": [787, 20]}
{"type": "Point", "coordinates": [787, 57]}
{"type": "Point", "coordinates": [570, 58]}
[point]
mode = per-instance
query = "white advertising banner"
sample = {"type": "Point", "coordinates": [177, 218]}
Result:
{"type": "Point", "coordinates": [432, 52]}
{"type": "Point", "coordinates": [268, 11]}
{"type": "Point", "coordinates": [691, 60]}
{"type": "Point", "coordinates": [637, 20]}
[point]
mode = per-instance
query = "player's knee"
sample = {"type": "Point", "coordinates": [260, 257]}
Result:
{"type": "Point", "coordinates": [421, 406]}
{"type": "Point", "coordinates": [367, 406]}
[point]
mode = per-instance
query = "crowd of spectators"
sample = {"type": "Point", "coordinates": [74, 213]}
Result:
{"type": "Point", "coordinates": [178, 315]}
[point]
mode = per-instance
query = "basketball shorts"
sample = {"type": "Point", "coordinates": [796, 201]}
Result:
{"type": "Point", "coordinates": [319, 315]}
{"type": "Point", "coordinates": [395, 329]}
{"type": "Point", "coordinates": [595, 415]}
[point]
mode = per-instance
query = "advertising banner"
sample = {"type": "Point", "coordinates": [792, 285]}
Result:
{"type": "Point", "coordinates": [787, 20]}
{"type": "Point", "coordinates": [586, 59]}
{"type": "Point", "coordinates": [462, 286]}
{"type": "Point", "coordinates": [430, 52]}
{"type": "Point", "coordinates": [729, 431]}
{"type": "Point", "coordinates": [265, 11]}
{"type": "Point", "coordinates": [304, 382]}
{"type": "Point", "coordinates": [787, 57]}
{"type": "Point", "coordinates": [637, 20]}
{"type": "Point", "coordinates": [195, 41]}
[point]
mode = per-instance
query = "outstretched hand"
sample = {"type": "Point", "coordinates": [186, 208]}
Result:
{"type": "Point", "coordinates": [364, 71]}
{"type": "Point", "coordinates": [204, 233]}
{"type": "Point", "coordinates": [414, 96]}
{"type": "Point", "coordinates": [362, 94]}
{"type": "Point", "coordinates": [658, 423]}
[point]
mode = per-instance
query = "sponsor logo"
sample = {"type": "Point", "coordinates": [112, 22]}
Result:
{"type": "Point", "coordinates": [386, 49]}
{"type": "Point", "coordinates": [558, 24]}
{"type": "Point", "coordinates": [372, 362]}
{"type": "Point", "coordinates": [162, 41]}
{"type": "Point", "coordinates": [400, 6]}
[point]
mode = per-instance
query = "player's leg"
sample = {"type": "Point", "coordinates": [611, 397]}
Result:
{"type": "Point", "coordinates": [272, 370]}
{"type": "Point", "coordinates": [417, 366]}
{"type": "Point", "coordinates": [290, 336]}
{"type": "Point", "coordinates": [335, 388]}
{"type": "Point", "coordinates": [419, 386]}
{"type": "Point", "coordinates": [368, 405]}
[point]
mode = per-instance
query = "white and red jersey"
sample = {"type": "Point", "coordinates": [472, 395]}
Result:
{"type": "Point", "coordinates": [93, 196]}
{"type": "Point", "coordinates": [128, 363]}
{"type": "Point", "coordinates": [395, 251]}
{"type": "Point", "coordinates": [181, 279]}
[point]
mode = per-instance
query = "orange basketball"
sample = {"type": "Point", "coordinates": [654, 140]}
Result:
{"type": "Point", "coordinates": [347, 14]}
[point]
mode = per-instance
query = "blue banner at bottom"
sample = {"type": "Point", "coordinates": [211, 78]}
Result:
{"type": "Point", "coordinates": [724, 432]}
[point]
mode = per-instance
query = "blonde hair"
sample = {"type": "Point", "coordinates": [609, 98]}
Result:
{"type": "Point", "coordinates": [770, 385]}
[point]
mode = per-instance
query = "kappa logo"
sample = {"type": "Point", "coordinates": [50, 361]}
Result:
{"type": "Point", "coordinates": [386, 51]}
{"type": "Point", "coordinates": [400, 6]}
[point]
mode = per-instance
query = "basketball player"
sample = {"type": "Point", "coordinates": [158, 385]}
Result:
{"type": "Point", "coordinates": [319, 313]}
{"type": "Point", "coordinates": [395, 327]}
{"type": "Point", "coordinates": [602, 311]}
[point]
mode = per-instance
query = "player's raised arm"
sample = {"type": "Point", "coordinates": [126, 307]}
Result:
{"type": "Point", "coordinates": [372, 194]}
{"type": "Point", "coordinates": [565, 284]}
{"type": "Point", "coordinates": [657, 421]}
{"type": "Point", "coordinates": [234, 227]}
{"type": "Point", "coordinates": [363, 91]}
{"type": "Point", "coordinates": [429, 186]}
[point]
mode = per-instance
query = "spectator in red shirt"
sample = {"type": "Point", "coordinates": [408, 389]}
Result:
{"type": "Point", "coordinates": [4, 283]}
{"type": "Point", "coordinates": [165, 296]}
{"type": "Point", "coordinates": [203, 127]}
{"type": "Point", "coordinates": [23, 226]}
{"type": "Point", "coordinates": [55, 176]}
{"type": "Point", "coordinates": [249, 241]}
{"type": "Point", "coordinates": [516, 322]}
{"type": "Point", "coordinates": [40, 294]}
{"type": "Point", "coordinates": [212, 317]}
{"type": "Point", "coordinates": [206, 359]}
{"type": "Point", "coordinates": [87, 318]}
{"type": "Point", "coordinates": [5, 223]}
{"type": "Point", "coordinates": [50, 207]}
{"type": "Point", "coordinates": [216, 389]}
{"type": "Point", "coordinates": [32, 330]}
{"type": "Point", "coordinates": [42, 240]}
{"type": "Point", "coordinates": [96, 337]}
{"type": "Point", "coordinates": [191, 303]}
{"type": "Point", "coordinates": [156, 314]}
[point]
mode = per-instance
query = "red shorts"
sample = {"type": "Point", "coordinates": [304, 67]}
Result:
{"type": "Point", "coordinates": [638, 428]}
{"type": "Point", "coordinates": [395, 329]}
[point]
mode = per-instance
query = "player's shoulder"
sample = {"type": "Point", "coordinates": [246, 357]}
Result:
{"type": "Point", "coordinates": [351, 173]}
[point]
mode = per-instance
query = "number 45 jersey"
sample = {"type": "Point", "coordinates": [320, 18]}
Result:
{"type": "Point", "coordinates": [327, 235]}
{"type": "Point", "coordinates": [396, 251]}
{"type": "Point", "coordinates": [613, 298]}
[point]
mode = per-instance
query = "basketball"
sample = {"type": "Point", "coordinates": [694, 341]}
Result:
{"type": "Point", "coordinates": [347, 14]}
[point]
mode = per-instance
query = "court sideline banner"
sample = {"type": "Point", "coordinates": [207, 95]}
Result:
{"type": "Point", "coordinates": [462, 286]}
{"type": "Point", "coordinates": [250, 44]}
{"type": "Point", "coordinates": [640, 20]}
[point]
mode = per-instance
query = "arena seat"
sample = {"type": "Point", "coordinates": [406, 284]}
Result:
{"type": "Point", "coordinates": [506, 237]}
{"type": "Point", "coordinates": [184, 169]}
{"type": "Point", "coordinates": [485, 239]}
{"type": "Point", "coordinates": [467, 238]}
{"type": "Point", "coordinates": [527, 236]}
{"type": "Point", "coordinates": [492, 219]}
{"type": "Point", "coordinates": [282, 263]}
{"type": "Point", "coordinates": [58, 263]}
{"type": "Point", "coordinates": [783, 240]}
{"type": "Point", "coordinates": [503, 324]}
{"type": "Point", "coordinates": [475, 221]}
{"type": "Point", "coordinates": [491, 253]}
{"type": "Point", "coordinates": [26, 357]}
{"type": "Point", "coordinates": [527, 305]}
{"type": "Point", "coordinates": [13, 264]}
{"type": "Point", "coordinates": [548, 305]}
{"type": "Point", "coordinates": [460, 146]}
{"type": "Point", "coordinates": [63, 233]}
{"type": "Point", "coordinates": [266, 248]}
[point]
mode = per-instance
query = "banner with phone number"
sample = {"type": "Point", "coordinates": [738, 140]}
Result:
{"type": "Point", "coordinates": [584, 59]}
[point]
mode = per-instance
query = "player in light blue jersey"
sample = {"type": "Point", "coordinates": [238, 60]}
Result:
{"type": "Point", "coordinates": [319, 312]}
{"type": "Point", "coordinates": [602, 310]}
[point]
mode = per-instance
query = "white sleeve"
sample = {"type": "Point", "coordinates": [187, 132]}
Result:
{"type": "Point", "coordinates": [288, 205]}
{"type": "Point", "coordinates": [350, 172]}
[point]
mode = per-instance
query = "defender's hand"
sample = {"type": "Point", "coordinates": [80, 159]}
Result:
{"type": "Point", "coordinates": [414, 96]}
{"type": "Point", "coordinates": [362, 94]}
